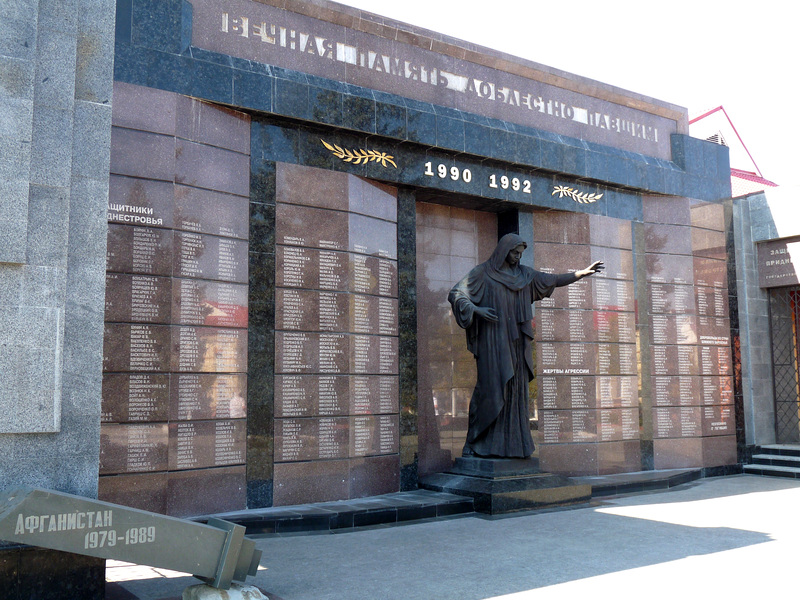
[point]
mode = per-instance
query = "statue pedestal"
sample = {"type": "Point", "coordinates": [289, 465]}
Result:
{"type": "Point", "coordinates": [503, 485]}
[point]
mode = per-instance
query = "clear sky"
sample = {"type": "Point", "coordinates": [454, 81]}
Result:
{"type": "Point", "coordinates": [698, 54]}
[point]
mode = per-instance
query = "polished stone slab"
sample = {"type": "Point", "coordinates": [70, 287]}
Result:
{"type": "Point", "coordinates": [499, 486]}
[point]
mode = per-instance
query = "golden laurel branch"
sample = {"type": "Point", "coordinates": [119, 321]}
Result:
{"type": "Point", "coordinates": [583, 197]}
{"type": "Point", "coordinates": [359, 156]}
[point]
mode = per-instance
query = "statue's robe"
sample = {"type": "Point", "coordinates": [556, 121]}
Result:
{"type": "Point", "coordinates": [498, 411]}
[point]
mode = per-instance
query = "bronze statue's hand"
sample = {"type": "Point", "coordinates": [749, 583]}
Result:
{"type": "Point", "coordinates": [595, 267]}
{"type": "Point", "coordinates": [487, 313]}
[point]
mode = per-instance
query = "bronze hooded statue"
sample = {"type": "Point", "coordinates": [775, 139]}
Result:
{"type": "Point", "coordinates": [493, 303]}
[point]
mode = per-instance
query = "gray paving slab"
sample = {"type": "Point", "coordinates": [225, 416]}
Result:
{"type": "Point", "coordinates": [736, 536]}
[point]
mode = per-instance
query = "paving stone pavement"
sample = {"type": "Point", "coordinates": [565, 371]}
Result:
{"type": "Point", "coordinates": [732, 537]}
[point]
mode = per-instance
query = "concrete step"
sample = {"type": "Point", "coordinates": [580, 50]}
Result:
{"type": "Point", "coordinates": [776, 460]}
{"type": "Point", "coordinates": [772, 471]}
{"type": "Point", "coordinates": [348, 514]}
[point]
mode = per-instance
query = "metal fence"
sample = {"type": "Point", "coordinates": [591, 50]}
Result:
{"type": "Point", "coordinates": [784, 310]}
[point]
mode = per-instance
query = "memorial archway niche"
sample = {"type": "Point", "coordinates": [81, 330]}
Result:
{"type": "Point", "coordinates": [450, 242]}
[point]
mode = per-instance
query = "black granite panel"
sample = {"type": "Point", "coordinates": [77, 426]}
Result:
{"type": "Point", "coordinates": [35, 573]}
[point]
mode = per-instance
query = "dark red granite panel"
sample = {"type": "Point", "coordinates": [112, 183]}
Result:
{"type": "Point", "coordinates": [609, 294]}
{"type": "Point", "coordinates": [371, 198]}
{"type": "Point", "coordinates": [142, 154]}
{"type": "Point", "coordinates": [132, 448]}
{"type": "Point", "coordinates": [143, 108]}
{"type": "Point", "coordinates": [212, 124]}
{"type": "Point", "coordinates": [374, 475]}
{"type": "Point", "coordinates": [297, 184]}
{"type": "Point", "coordinates": [709, 215]}
{"type": "Point", "coordinates": [312, 439]}
{"type": "Point", "coordinates": [372, 236]}
{"type": "Point", "coordinates": [569, 459]}
{"type": "Point", "coordinates": [609, 232]}
{"type": "Point", "coordinates": [132, 201]}
{"type": "Point", "coordinates": [333, 437]}
{"type": "Point", "coordinates": [712, 301]}
{"type": "Point", "coordinates": [671, 299]}
{"type": "Point", "coordinates": [717, 390]}
{"type": "Point", "coordinates": [201, 444]}
{"type": "Point", "coordinates": [674, 390]}
{"type": "Point", "coordinates": [138, 298]}
{"type": "Point", "coordinates": [710, 272]}
{"type": "Point", "coordinates": [678, 453]}
{"type": "Point", "coordinates": [374, 434]}
{"type": "Point", "coordinates": [208, 350]}
{"type": "Point", "coordinates": [210, 257]}
{"type": "Point", "coordinates": [664, 268]}
{"type": "Point", "coordinates": [719, 451]}
{"type": "Point", "coordinates": [673, 329]}
{"type": "Point", "coordinates": [715, 360]}
{"type": "Point", "coordinates": [372, 354]}
{"type": "Point", "coordinates": [561, 228]}
{"type": "Point", "coordinates": [207, 396]}
{"type": "Point", "coordinates": [671, 210]}
{"type": "Point", "coordinates": [311, 395]}
{"type": "Point", "coordinates": [718, 420]}
{"type": "Point", "coordinates": [136, 347]}
{"type": "Point", "coordinates": [668, 239]}
{"type": "Point", "coordinates": [609, 425]}
{"type": "Point", "coordinates": [565, 325]}
{"type": "Point", "coordinates": [212, 303]}
{"type": "Point", "coordinates": [619, 457]}
{"type": "Point", "coordinates": [551, 258]}
{"type": "Point", "coordinates": [297, 352]}
{"type": "Point", "coordinates": [675, 360]}
{"type": "Point", "coordinates": [617, 391]}
{"type": "Point", "coordinates": [617, 424]}
{"type": "Point", "coordinates": [202, 166]}
{"type": "Point", "coordinates": [139, 250]}
{"type": "Point", "coordinates": [567, 392]}
{"type": "Point", "coordinates": [330, 231]}
{"type": "Point", "coordinates": [296, 440]}
{"type": "Point", "coordinates": [206, 491]}
{"type": "Point", "coordinates": [298, 267]}
{"type": "Point", "coordinates": [206, 211]}
{"type": "Point", "coordinates": [709, 244]}
{"type": "Point", "coordinates": [618, 263]}
{"type": "Point", "coordinates": [314, 481]}
{"type": "Point", "coordinates": [145, 491]}
{"type": "Point", "coordinates": [135, 397]}
{"type": "Point", "coordinates": [373, 394]}
{"type": "Point", "coordinates": [373, 275]}
{"type": "Point", "coordinates": [673, 422]}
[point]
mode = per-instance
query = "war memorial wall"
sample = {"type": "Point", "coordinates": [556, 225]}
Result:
{"type": "Point", "coordinates": [293, 192]}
